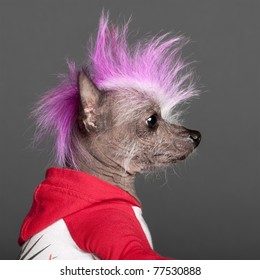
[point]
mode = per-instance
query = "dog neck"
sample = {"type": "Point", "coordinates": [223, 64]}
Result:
{"type": "Point", "coordinates": [108, 170]}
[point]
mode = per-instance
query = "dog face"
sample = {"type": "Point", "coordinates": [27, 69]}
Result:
{"type": "Point", "coordinates": [129, 130]}
{"type": "Point", "coordinates": [164, 143]}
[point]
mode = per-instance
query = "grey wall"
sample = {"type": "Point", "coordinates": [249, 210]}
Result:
{"type": "Point", "coordinates": [210, 209]}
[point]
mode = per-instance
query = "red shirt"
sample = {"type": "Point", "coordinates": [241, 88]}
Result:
{"type": "Point", "coordinates": [101, 219]}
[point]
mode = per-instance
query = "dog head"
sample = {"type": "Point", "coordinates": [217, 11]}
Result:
{"type": "Point", "coordinates": [122, 108]}
{"type": "Point", "coordinates": [130, 130]}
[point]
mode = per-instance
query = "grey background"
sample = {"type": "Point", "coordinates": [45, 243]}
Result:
{"type": "Point", "coordinates": [210, 209]}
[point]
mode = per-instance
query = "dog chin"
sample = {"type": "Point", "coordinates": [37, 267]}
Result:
{"type": "Point", "coordinates": [181, 157]}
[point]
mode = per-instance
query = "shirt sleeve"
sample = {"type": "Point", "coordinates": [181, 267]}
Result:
{"type": "Point", "coordinates": [110, 234]}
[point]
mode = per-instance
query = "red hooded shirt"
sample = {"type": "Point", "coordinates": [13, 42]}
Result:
{"type": "Point", "coordinates": [75, 215]}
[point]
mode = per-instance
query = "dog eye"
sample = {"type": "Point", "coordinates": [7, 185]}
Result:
{"type": "Point", "coordinates": [152, 121]}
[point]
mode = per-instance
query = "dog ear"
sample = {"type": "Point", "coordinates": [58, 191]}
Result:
{"type": "Point", "coordinates": [90, 97]}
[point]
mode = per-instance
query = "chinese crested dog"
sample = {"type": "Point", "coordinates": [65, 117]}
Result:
{"type": "Point", "coordinates": [111, 119]}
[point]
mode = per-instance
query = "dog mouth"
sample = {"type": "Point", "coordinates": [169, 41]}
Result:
{"type": "Point", "coordinates": [180, 151]}
{"type": "Point", "coordinates": [184, 150]}
{"type": "Point", "coordinates": [183, 157]}
{"type": "Point", "coordinates": [169, 159]}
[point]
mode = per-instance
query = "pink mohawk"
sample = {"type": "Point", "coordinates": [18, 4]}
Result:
{"type": "Point", "coordinates": [153, 68]}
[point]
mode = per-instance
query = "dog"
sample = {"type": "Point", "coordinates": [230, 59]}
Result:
{"type": "Point", "coordinates": [112, 119]}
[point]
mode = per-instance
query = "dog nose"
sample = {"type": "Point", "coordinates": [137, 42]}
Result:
{"type": "Point", "coordinates": [195, 137]}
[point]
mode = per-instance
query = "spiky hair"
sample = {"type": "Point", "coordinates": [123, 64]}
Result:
{"type": "Point", "coordinates": [152, 67]}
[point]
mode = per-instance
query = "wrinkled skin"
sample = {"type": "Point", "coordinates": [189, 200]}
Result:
{"type": "Point", "coordinates": [124, 134]}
